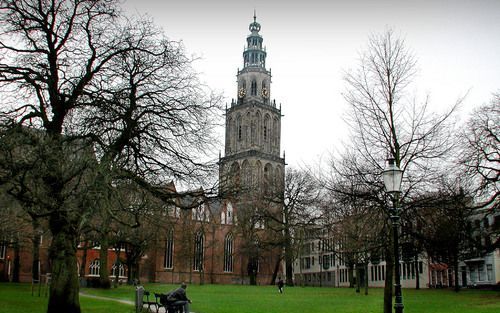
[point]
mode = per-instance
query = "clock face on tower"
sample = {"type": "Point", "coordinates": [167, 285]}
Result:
{"type": "Point", "coordinates": [241, 92]}
{"type": "Point", "coordinates": [265, 93]}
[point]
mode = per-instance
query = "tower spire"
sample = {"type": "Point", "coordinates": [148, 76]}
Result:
{"type": "Point", "coordinates": [254, 15]}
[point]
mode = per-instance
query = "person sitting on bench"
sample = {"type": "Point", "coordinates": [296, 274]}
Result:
{"type": "Point", "coordinates": [178, 297]}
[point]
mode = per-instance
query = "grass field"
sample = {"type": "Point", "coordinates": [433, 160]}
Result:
{"type": "Point", "coordinates": [16, 298]}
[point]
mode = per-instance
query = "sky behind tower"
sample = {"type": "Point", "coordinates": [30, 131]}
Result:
{"type": "Point", "coordinates": [311, 43]}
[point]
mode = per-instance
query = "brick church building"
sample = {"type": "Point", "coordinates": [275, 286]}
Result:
{"type": "Point", "coordinates": [230, 239]}
{"type": "Point", "coordinates": [225, 239]}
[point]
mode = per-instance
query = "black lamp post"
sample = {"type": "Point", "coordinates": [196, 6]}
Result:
{"type": "Point", "coordinates": [392, 181]}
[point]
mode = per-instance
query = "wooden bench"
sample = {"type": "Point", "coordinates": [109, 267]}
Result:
{"type": "Point", "coordinates": [162, 302]}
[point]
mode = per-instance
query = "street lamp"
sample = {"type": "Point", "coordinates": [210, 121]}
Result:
{"type": "Point", "coordinates": [392, 181]}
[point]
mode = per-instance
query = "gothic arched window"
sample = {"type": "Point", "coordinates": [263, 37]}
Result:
{"type": "Point", "coordinates": [268, 178]}
{"type": "Point", "coordinates": [198, 251]}
{"type": "Point", "coordinates": [95, 267]}
{"type": "Point", "coordinates": [120, 268]}
{"type": "Point", "coordinates": [169, 250]}
{"type": "Point", "coordinates": [246, 174]}
{"type": "Point", "coordinates": [253, 88]}
{"type": "Point", "coordinates": [228, 253]}
{"type": "Point", "coordinates": [235, 176]}
{"type": "Point", "coordinates": [266, 128]}
{"type": "Point", "coordinates": [239, 128]}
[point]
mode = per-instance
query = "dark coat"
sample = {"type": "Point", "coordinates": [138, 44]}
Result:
{"type": "Point", "coordinates": [178, 294]}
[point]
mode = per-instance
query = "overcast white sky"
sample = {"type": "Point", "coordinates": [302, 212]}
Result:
{"type": "Point", "coordinates": [310, 43]}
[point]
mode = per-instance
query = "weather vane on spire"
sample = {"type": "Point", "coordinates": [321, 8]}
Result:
{"type": "Point", "coordinates": [254, 15]}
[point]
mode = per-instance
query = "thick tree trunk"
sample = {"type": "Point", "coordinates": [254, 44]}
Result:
{"type": "Point", "coordinates": [104, 281]}
{"type": "Point", "coordinates": [83, 266]}
{"type": "Point", "coordinates": [64, 287]}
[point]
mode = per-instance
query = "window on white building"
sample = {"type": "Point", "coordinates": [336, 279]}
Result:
{"type": "Point", "coordinates": [489, 272]}
{"type": "Point", "coordinates": [473, 274]}
{"type": "Point", "coordinates": [480, 272]}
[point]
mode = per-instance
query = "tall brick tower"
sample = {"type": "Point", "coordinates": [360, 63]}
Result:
{"type": "Point", "coordinates": [252, 165]}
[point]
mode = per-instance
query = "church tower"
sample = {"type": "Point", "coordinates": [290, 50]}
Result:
{"type": "Point", "coordinates": [252, 165]}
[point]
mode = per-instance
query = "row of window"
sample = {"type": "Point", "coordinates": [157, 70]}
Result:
{"type": "Point", "coordinates": [198, 253]}
{"type": "Point", "coordinates": [255, 58]}
{"type": "Point", "coordinates": [269, 179]}
{"type": "Point", "coordinates": [95, 269]}
{"type": "Point", "coordinates": [477, 273]}
{"type": "Point", "coordinates": [251, 130]}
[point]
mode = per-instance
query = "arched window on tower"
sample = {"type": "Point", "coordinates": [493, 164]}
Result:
{"type": "Point", "coordinates": [266, 130]}
{"type": "Point", "coordinates": [239, 128]}
{"type": "Point", "coordinates": [246, 174]}
{"type": "Point", "coordinates": [253, 88]}
{"type": "Point", "coordinates": [234, 177]}
{"type": "Point", "coordinates": [268, 179]}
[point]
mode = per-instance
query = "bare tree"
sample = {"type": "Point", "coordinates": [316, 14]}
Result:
{"type": "Point", "coordinates": [388, 122]}
{"type": "Point", "coordinates": [480, 142]}
{"type": "Point", "coordinates": [87, 80]}
{"type": "Point", "coordinates": [299, 208]}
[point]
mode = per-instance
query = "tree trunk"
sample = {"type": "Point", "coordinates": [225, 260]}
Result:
{"type": "Point", "coordinates": [84, 260]}
{"type": "Point", "coordinates": [64, 287]}
{"type": "Point", "coordinates": [389, 271]}
{"type": "Point", "coordinates": [104, 281]}
{"type": "Point", "coordinates": [455, 275]}
{"type": "Point", "coordinates": [350, 271]}
{"type": "Point", "coordinates": [117, 266]}
{"type": "Point", "coordinates": [275, 272]}
{"type": "Point", "coordinates": [288, 259]}
{"type": "Point", "coordinates": [35, 273]}
{"type": "Point", "coordinates": [252, 270]}
{"type": "Point", "coordinates": [17, 263]}
{"type": "Point", "coordinates": [417, 273]}
{"type": "Point", "coordinates": [366, 278]}
{"type": "Point", "coordinates": [358, 280]}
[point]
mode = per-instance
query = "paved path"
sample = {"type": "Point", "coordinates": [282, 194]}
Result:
{"type": "Point", "coordinates": [107, 298]}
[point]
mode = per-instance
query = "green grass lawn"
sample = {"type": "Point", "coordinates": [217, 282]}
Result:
{"type": "Point", "coordinates": [17, 298]}
{"type": "Point", "coordinates": [266, 299]}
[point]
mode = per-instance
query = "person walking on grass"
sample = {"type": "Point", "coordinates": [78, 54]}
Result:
{"type": "Point", "coordinates": [281, 284]}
